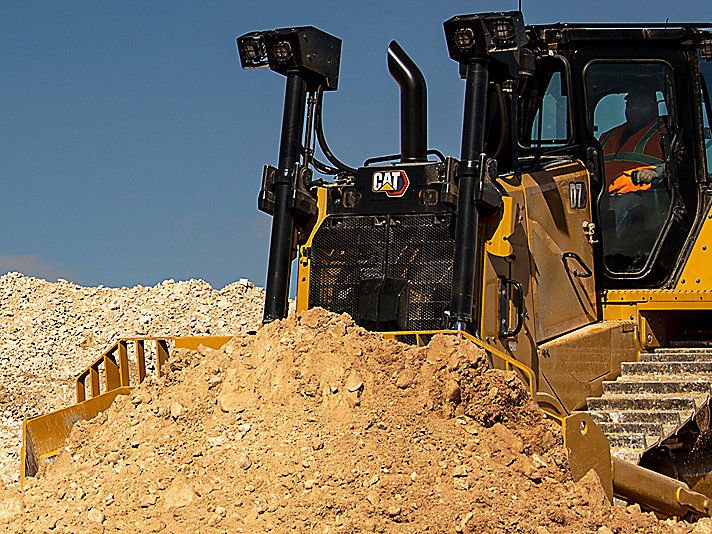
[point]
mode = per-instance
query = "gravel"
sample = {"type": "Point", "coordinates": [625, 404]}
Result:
{"type": "Point", "coordinates": [50, 331]}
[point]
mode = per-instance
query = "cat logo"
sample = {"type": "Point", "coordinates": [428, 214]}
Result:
{"type": "Point", "coordinates": [392, 183]}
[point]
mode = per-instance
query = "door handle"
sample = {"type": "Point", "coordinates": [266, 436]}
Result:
{"type": "Point", "coordinates": [586, 273]}
{"type": "Point", "coordinates": [504, 289]}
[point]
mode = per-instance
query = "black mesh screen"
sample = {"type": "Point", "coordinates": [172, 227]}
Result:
{"type": "Point", "coordinates": [418, 248]}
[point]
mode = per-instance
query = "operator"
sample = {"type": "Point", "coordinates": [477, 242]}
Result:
{"type": "Point", "coordinates": [633, 152]}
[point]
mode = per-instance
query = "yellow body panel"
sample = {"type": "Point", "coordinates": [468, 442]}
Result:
{"type": "Point", "coordinates": [303, 263]}
{"type": "Point", "coordinates": [697, 273]}
{"type": "Point", "coordinates": [499, 245]}
{"type": "Point", "coordinates": [658, 313]}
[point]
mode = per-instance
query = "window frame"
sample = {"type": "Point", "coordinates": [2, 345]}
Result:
{"type": "Point", "coordinates": [673, 111]}
{"type": "Point", "coordinates": [526, 145]}
{"type": "Point", "coordinates": [584, 74]}
{"type": "Point", "coordinates": [705, 88]}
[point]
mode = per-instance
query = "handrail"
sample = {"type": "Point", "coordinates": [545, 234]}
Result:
{"type": "Point", "coordinates": [116, 363]}
{"type": "Point", "coordinates": [486, 346]}
{"type": "Point", "coordinates": [43, 436]}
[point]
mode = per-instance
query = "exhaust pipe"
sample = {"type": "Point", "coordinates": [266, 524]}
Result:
{"type": "Point", "coordinates": [414, 113]}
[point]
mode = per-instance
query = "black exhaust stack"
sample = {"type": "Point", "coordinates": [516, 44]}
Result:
{"type": "Point", "coordinates": [414, 104]}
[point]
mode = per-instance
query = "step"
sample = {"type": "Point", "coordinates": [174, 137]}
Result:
{"type": "Point", "coordinates": [631, 441]}
{"type": "Point", "coordinates": [650, 402]}
{"type": "Point", "coordinates": [629, 455]}
{"type": "Point", "coordinates": [681, 350]}
{"type": "Point", "coordinates": [667, 418]}
{"type": "Point", "coordinates": [665, 368]}
{"type": "Point", "coordinates": [645, 386]}
{"type": "Point", "coordinates": [655, 430]}
{"type": "Point", "coordinates": [686, 356]}
{"type": "Point", "coordinates": [701, 342]}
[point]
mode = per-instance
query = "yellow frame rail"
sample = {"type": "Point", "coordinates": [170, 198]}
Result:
{"type": "Point", "coordinates": [509, 361]}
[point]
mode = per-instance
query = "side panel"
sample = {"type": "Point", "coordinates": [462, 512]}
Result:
{"type": "Point", "coordinates": [558, 212]}
{"type": "Point", "coordinates": [577, 363]}
{"type": "Point", "coordinates": [697, 274]}
{"type": "Point", "coordinates": [304, 263]}
{"type": "Point", "coordinates": [549, 213]}
{"type": "Point", "coordinates": [512, 262]}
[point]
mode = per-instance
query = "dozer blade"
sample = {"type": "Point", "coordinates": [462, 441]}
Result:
{"type": "Point", "coordinates": [43, 436]}
{"type": "Point", "coordinates": [588, 448]}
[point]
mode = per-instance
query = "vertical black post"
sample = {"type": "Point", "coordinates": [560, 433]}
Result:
{"type": "Point", "coordinates": [280, 250]}
{"type": "Point", "coordinates": [466, 229]}
{"type": "Point", "coordinates": [414, 104]}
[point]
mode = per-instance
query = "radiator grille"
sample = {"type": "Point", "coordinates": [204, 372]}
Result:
{"type": "Point", "coordinates": [418, 248]}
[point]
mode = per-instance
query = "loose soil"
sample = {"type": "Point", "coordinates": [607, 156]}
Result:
{"type": "Point", "coordinates": [316, 425]}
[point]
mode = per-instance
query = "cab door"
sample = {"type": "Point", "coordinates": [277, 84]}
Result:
{"type": "Point", "coordinates": [642, 230]}
{"type": "Point", "coordinates": [558, 209]}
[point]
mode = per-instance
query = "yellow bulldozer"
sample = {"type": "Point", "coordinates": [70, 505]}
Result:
{"type": "Point", "coordinates": [571, 238]}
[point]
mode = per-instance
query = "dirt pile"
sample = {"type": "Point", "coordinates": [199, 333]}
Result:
{"type": "Point", "coordinates": [315, 424]}
{"type": "Point", "coordinates": [50, 331]}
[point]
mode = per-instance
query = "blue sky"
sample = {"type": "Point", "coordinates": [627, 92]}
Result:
{"type": "Point", "coordinates": [132, 144]}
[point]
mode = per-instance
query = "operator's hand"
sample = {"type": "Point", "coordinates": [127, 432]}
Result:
{"type": "Point", "coordinates": [645, 176]}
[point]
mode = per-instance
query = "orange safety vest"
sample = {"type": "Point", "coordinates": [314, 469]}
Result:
{"type": "Point", "coordinates": [642, 150]}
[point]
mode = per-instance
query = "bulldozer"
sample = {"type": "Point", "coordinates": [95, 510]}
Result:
{"type": "Point", "coordinates": [600, 296]}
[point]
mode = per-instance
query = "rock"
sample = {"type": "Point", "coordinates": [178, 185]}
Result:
{"type": "Point", "coordinates": [95, 516]}
{"type": "Point", "coordinates": [354, 383]}
{"type": "Point", "coordinates": [452, 393]}
{"type": "Point", "coordinates": [703, 526]}
{"type": "Point", "coordinates": [372, 481]}
{"type": "Point", "coordinates": [460, 471]}
{"type": "Point", "coordinates": [405, 379]}
{"type": "Point", "coordinates": [461, 484]}
{"type": "Point", "coordinates": [178, 494]}
{"type": "Point", "coordinates": [373, 498]}
{"type": "Point", "coordinates": [176, 410]}
{"type": "Point", "coordinates": [633, 509]}
{"type": "Point", "coordinates": [311, 317]}
{"type": "Point", "coordinates": [147, 500]}
{"type": "Point", "coordinates": [244, 462]}
{"type": "Point", "coordinates": [10, 507]}
{"type": "Point", "coordinates": [393, 510]}
{"type": "Point", "coordinates": [592, 490]}
{"type": "Point", "coordinates": [507, 439]}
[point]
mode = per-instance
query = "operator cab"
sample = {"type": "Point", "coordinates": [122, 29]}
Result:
{"type": "Point", "coordinates": [633, 104]}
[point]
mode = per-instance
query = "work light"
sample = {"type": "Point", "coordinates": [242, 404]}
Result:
{"type": "Point", "coordinates": [312, 52]}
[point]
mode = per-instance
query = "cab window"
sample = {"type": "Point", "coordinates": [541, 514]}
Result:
{"type": "Point", "coordinates": [631, 114]}
{"type": "Point", "coordinates": [706, 68]}
{"type": "Point", "coordinates": [544, 118]}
